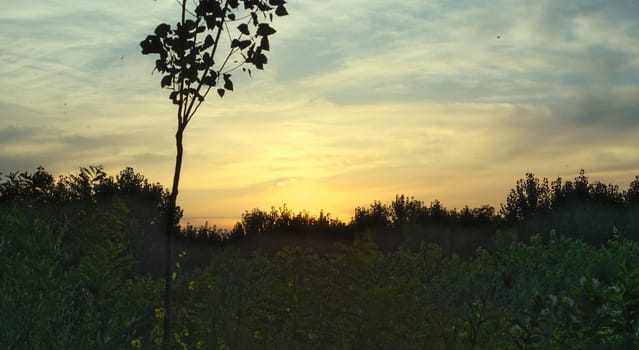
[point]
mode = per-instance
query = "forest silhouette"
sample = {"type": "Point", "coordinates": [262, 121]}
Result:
{"type": "Point", "coordinates": [556, 266]}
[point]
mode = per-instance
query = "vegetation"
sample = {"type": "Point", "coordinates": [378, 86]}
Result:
{"type": "Point", "coordinates": [556, 268]}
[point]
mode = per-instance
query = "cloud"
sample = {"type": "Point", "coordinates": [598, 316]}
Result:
{"type": "Point", "coordinates": [12, 134]}
{"type": "Point", "coordinates": [445, 52]}
{"type": "Point", "coordinates": [614, 110]}
{"type": "Point", "coordinates": [59, 150]}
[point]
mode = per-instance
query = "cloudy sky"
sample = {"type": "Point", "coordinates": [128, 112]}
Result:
{"type": "Point", "coordinates": [361, 100]}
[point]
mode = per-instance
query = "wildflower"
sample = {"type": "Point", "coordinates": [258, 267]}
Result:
{"type": "Point", "coordinates": [192, 285]}
{"type": "Point", "coordinates": [159, 313]}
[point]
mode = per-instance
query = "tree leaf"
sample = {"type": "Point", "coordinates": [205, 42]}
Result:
{"type": "Point", "coordinates": [264, 43]}
{"type": "Point", "coordinates": [243, 28]}
{"type": "Point", "coordinates": [210, 79]}
{"type": "Point", "coordinates": [174, 97]}
{"type": "Point", "coordinates": [228, 84]}
{"type": "Point", "coordinates": [220, 92]}
{"type": "Point", "coordinates": [262, 6]}
{"type": "Point", "coordinates": [167, 80]}
{"type": "Point", "coordinates": [189, 25]}
{"type": "Point", "coordinates": [281, 11]}
{"type": "Point", "coordinates": [160, 65]}
{"type": "Point", "coordinates": [211, 21]}
{"type": "Point", "coordinates": [244, 44]}
{"type": "Point", "coordinates": [250, 52]}
{"type": "Point", "coordinates": [189, 91]}
{"type": "Point", "coordinates": [264, 29]}
{"type": "Point", "coordinates": [162, 30]}
{"type": "Point", "coordinates": [207, 7]}
{"type": "Point", "coordinates": [151, 44]}
{"type": "Point", "coordinates": [207, 60]}
{"type": "Point", "coordinates": [189, 74]}
{"type": "Point", "coordinates": [208, 42]}
{"type": "Point", "coordinates": [231, 16]}
{"type": "Point", "coordinates": [259, 60]}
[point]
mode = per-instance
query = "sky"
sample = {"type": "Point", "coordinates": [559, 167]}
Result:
{"type": "Point", "coordinates": [360, 100]}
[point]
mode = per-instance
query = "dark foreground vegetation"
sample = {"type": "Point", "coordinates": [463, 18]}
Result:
{"type": "Point", "coordinates": [556, 267]}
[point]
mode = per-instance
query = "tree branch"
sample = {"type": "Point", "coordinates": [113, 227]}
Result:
{"type": "Point", "coordinates": [213, 51]}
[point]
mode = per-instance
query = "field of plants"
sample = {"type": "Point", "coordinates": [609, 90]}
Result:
{"type": "Point", "coordinates": [80, 258]}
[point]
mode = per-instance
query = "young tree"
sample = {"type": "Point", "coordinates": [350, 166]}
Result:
{"type": "Point", "coordinates": [191, 64]}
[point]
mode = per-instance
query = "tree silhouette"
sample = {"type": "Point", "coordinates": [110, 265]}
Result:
{"type": "Point", "coordinates": [188, 64]}
{"type": "Point", "coordinates": [529, 197]}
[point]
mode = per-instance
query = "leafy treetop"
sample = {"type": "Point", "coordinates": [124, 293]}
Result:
{"type": "Point", "coordinates": [188, 51]}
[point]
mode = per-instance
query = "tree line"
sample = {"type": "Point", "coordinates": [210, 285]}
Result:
{"type": "Point", "coordinates": [591, 211]}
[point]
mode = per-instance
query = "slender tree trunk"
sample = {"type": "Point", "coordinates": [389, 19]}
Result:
{"type": "Point", "coordinates": [170, 217]}
{"type": "Point", "coordinates": [170, 228]}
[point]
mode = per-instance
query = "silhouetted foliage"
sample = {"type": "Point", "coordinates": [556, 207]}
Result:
{"type": "Point", "coordinates": [25, 186]}
{"type": "Point", "coordinates": [529, 197]}
{"type": "Point", "coordinates": [376, 217]}
{"type": "Point", "coordinates": [632, 195]}
{"type": "Point", "coordinates": [590, 211]}
{"type": "Point", "coordinates": [67, 256]}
